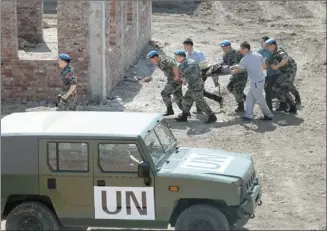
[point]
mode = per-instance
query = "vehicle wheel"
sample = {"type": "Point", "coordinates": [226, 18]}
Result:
{"type": "Point", "coordinates": [201, 217]}
{"type": "Point", "coordinates": [32, 216]}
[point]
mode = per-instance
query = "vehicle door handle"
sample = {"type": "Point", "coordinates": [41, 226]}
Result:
{"type": "Point", "coordinates": [101, 183]}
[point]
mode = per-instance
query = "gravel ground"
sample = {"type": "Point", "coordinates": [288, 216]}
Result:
{"type": "Point", "coordinates": [290, 152]}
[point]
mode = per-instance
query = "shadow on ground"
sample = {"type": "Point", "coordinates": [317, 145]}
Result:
{"type": "Point", "coordinates": [175, 7]}
{"type": "Point", "coordinates": [198, 127]}
{"type": "Point", "coordinates": [130, 86]}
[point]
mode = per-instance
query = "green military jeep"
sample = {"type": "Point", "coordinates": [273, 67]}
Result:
{"type": "Point", "coordinates": [64, 170]}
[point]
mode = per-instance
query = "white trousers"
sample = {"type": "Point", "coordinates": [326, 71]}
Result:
{"type": "Point", "coordinates": [256, 95]}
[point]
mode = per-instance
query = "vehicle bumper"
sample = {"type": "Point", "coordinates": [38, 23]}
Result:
{"type": "Point", "coordinates": [245, 210]}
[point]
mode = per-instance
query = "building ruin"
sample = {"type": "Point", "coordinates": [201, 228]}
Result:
{"type": "Point", "coordinates": [103, 38]}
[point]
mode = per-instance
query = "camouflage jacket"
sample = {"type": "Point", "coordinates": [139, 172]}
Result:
{"type": "Point", "coordinates": [234, 58]}
{"type": "Point", "coordinates": [191, 72]}
{"type": "Point", "coordinates": [68, 78]}
{"type": "Point", "coordinates": [166, 65]}
{"type": "Point", "coordinates": [278, 56]}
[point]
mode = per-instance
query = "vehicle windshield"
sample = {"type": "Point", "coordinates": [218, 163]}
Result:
{"type": "Point", "coordinates": [159, 142]}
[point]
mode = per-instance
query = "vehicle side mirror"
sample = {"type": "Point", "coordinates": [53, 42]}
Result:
{"type": "Point", "coordinates": [143, 170]}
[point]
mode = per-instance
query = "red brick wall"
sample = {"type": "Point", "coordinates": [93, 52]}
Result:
{"type": "Point", "coordinates": [39, 79]}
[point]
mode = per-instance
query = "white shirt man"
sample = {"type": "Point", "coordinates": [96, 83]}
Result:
{"type": "Point", "coordinates": [195, 54]}
{"type": "Point", "coordinates": [253, 63]}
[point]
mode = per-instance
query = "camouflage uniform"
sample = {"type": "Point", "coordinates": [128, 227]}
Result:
{"type": "Point", "coordinates": [166, 65]}
{"type": "Point", "coordinates": [237, 82]}
{"type": "Point", "coordinates": [286, 78]}
{"type": "Point", "coordinates": [191, 72]}
{"type": "Point", "coordinates": [68, 78]}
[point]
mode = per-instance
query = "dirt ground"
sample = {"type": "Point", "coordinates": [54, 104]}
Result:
{"type": "Point", "coordinates": [289, 152]}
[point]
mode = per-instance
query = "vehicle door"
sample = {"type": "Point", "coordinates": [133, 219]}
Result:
{"type": "Point", "coordinates": [66, 176]}
{"type": "Point", "coordinates": [120, 196]}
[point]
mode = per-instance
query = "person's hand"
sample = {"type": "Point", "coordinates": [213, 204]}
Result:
{"type": "Point", "coordinates": [233, 71]}
{"type": "Point", "coordinates": [64, 96]}
{"type": "Point", "coordinates": [274, 67]}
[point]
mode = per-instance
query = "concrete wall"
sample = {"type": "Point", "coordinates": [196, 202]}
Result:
{"type": "Point", "coordinates": [103, 38]}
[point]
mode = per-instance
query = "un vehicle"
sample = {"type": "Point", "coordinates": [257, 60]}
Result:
{"type": "Point", "coordinates": [64, 170]}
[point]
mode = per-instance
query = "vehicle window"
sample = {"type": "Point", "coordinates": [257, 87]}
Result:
{"type": "Point", "coordinates": [159, 141]}
{"type": "Point", "coordinates": [154, 147]}
{"type": "Point", "coordinates": [68, 156]}
{"type": "Point", "coordinates": [119, 157]}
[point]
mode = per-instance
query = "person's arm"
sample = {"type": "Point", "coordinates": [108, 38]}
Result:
{"type": "Point", "coordinates": [72, 82]}
{"type": "Point", "coordinates": [201, 57]}
{"type": "Point", "coordinates": [263, 63]}
{"type": "Point", "coordinates": [239, 68]}
{"type": "Point", "coordinates": [133, 159]}
{"type": "Point", "coordinates": [282, 56]}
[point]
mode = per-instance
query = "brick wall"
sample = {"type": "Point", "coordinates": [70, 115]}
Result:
{"type": "Point", "coordinates": [29, 20]}
{"type": "Point", "coordinates": [39, 79]}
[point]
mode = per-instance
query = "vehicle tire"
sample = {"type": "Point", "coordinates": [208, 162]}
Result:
{"type": "Point", "coordinates": [201, 217]}
{"type": "Point", "coordinates": [32, 216]}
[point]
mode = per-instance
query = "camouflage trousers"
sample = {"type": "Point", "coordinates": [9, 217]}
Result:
{"type": "Point", "coordinates": [67, 105]}
{"type": "Point", "coordinates": [195, 95]}
{"type": "Point", "coordinates": [175, 89]}
{"type": "Point", "coordinates": [236, 86]}
{"type": "Point", "coordinates": [284, 86]}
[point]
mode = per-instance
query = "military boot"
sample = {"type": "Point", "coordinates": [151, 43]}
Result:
{"type": "Point", "coordinates": [169, 111]}
{"type": "Point", "coordinates": [240, 107]}
{"type": "Point", "coordinates": [298, 99]}
{"type": "Point", "coordinates": [282, 106]}
{"type": "Point", "coordinates": [211, 119]}
{"type": "Point", "coordinates": [182, 117]}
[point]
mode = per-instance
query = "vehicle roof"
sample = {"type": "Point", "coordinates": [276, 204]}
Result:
{"type": "Point", "coordinates": [79, 123]}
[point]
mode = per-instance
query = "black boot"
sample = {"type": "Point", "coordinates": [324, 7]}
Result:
{"type": "Point", "coordinates": [244, 96]}
{"type": "Point", "coordinates": [169, 111]}
{"type": "Point", "coordinates": [211, 119]}
{"type": "Point", "coordinates": [282, 106]}
{"type": "Point", "coordinates": [182, 117]}
{"type": "Point", "coordinates": [240, 107]}
{"type": "Point", "coordinates": [298, 99]}
{"type": "Point", "coordinates": [292, 109]}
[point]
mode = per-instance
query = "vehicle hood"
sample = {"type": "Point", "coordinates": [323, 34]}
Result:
{"type": "Point", "coordinates": [202, 161]}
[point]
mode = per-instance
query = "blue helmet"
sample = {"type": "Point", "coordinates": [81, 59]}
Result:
{"type": "Point", "coordinates": [270, 41]}
{"type": "Point", "coordinates": [152, 53]}
{"type": "Point", "coordinates": [180, 52]}
{"type": "Point", "coordinates": [225, 43]}
{"type": "Point", "coordinates": [65, 57]}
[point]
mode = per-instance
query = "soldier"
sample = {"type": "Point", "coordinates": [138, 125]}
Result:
{"type": "Point", "coordinates": [199, 57]}
{"type": "Point", "coordinates": [68, 96]}
{"type": "Point", "coordinates": [173, 85]}
{"type": "Point", "coordinates": [191, 73]}
{"type": "Point", "coordinates": [284, 85]}
{"type": "Point", "coordinates": [238, 81]}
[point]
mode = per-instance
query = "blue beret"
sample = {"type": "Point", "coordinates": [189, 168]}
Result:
{"type": "Point", "coordinates": [64, 56]}
{"type": "Point", "coordinates": [225, 43]}
{"type": "Point", "coordinates": [180, 52]}
{"type": "Point", "coordinates": [270, 41]}
{"type": "Point", "coordinates": [152, 53]}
